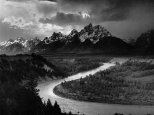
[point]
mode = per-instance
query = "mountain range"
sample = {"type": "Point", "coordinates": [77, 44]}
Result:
{"type": "Point", "coordinates": [91, 39]}
{"type": "Point", "coordinates": [18, 46]}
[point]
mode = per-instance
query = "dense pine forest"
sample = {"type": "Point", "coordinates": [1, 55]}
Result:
{"type": "Point", "coordinates": [18, 81]}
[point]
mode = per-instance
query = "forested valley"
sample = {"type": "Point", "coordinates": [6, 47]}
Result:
{"type": "Point", "coordinates": [18, 80]}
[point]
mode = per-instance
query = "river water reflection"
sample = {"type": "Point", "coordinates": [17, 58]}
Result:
{"type": "Point", "coordinates": [89, 108]}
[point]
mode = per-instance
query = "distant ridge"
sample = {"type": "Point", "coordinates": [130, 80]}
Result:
{"type": "Point", "coordinates": [145, 43]}
{"type": "Point", "coordinates": [20, 45]}
{"type": "Point", "coordinates": [91, 39]}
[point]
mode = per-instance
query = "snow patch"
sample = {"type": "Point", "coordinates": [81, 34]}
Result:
{"type": "Point", "coordinates": [48, 68]}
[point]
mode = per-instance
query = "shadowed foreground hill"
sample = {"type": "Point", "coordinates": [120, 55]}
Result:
{"type": "Point", "coordinates": [27, 66]}
{"type": "Point", "coordinates": [18, 80]}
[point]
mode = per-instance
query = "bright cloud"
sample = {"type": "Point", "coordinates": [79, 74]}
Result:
{"type": "Point", "coordinates": [43, 17]}
{"type": "Point", "coordinates": [18, 22]}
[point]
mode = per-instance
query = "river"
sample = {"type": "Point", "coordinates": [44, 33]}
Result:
{"type": "Point", "coordinates": [89, 108]}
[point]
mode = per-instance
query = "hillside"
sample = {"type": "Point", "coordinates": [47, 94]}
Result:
{"type": "Point", "coordinates": [145, 43]}
{"type": "Point", "coordinates": [28, 66]}
{"type": "Point", "coordinates": [18, 80]}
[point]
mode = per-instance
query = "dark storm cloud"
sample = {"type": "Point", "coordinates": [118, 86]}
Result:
{"type": "Point", "coordinates": [111, 2]}
{"type": "Point", "coordinates": [123, 18]}
{"type": "Point", "coordinates": [65, 19]}
{"type": "Point", "coordinates": [46, 8]}
{"type": "Point", "coordinates": [108, 10]}
{"type": "Point", "coordinates": [100, 10]}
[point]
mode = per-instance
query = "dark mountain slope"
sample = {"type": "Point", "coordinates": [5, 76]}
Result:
{"type": "Point", "coordinates": [145, 43]}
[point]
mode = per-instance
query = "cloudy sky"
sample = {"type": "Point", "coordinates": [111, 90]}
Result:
{"type": "Point", "coordinates": [31, 18]}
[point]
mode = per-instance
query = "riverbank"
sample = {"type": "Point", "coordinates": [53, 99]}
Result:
{"type": "Point", "coordinates": [64, 93]}
{"type": "Point", "coordinates": [73, 65]}
{"type": "Point", "coordinates": [128, 84]}
{"type": "Point", "coordinates": [85, 107]}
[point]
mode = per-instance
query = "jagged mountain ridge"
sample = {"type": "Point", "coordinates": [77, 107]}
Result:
{"type": "Point", "coordinates": [89, 38]}
{"type": "Point", "coordinates": [94, 33]}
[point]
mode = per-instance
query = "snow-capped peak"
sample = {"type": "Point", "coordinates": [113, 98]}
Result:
{"type": "Point", "coordinates": [94, 33]}
{"type": "Point", "coordinates": [17, 44]}
{"type": "Point", "coordinates": [6, 43]}
{"type": "Point", "coordinates": [73, 33]}
{"type": "Point", "coordinates": [55, 37]}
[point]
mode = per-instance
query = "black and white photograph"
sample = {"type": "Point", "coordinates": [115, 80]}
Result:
{"type": "Point", "coordinates": [76, 57]}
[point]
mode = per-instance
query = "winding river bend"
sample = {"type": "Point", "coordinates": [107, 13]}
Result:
{"type": "Point", "coordinates": [89, 108]}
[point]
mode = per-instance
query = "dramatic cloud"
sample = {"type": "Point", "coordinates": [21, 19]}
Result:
{"type": "Point", "coordinates": [107, 10]}
{"type": "Point", "coordinates": [51, 0]}
{"type": "Point", "coordinates": [47, 8]}
{"type": "Point", "coordinates": [18, 22]}
{"type": "Point", "coordinates": [124, 18]}
{"type": "Point", "coordinates": [67, 18]}
{"type": "Point", "coordinates": [19, 0]}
